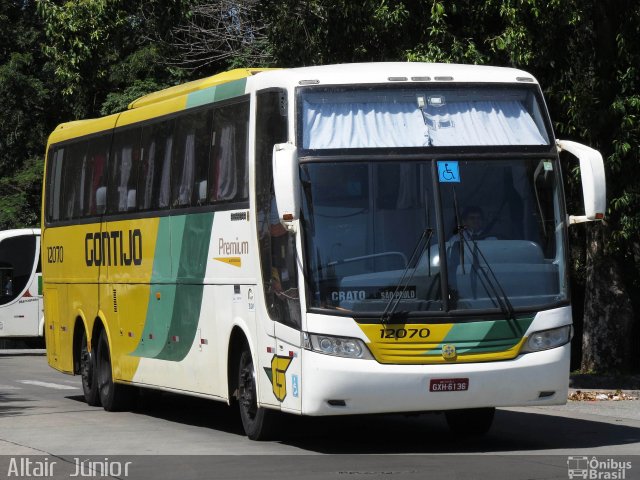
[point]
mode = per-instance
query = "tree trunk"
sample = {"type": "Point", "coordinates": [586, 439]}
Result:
{"type": "Point", "coordinates": [608, 315]}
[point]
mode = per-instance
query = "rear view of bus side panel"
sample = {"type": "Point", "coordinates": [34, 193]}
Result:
{"type": "Point", "coordinates": [74, 181]}
{"type": "Point", "coordinates": [70, 290]}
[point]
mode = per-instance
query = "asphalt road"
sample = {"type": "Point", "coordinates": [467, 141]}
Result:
{"type": "Point", "coordinates": [42, 413]}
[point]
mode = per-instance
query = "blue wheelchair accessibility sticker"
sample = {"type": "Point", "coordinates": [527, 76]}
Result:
{"type": "Point", "coordinates": [448, 171]}
{"type": "Point", "coordinates": [294, 384]}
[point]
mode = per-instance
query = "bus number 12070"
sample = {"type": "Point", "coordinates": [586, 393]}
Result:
{"type": "Point", "coordinates": [399, 333]}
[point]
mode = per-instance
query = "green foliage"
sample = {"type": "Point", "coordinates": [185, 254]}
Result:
{"type": "Point", "coordinates": [140, 73]}
{"type": "Point", "coordinates": [81, 44]}
{"type": "Point", "coordinates": [23, 98]}
{"type": "Point", "coordinates": [66, 59]}
{"type": "Point", "coordinates": [97, 47]}
{"type": "Point", "coordinates": [27, 114]}
{"type": "Point", "coordinates": [61, 60]}
{"type": "Point", "coordinates": [118, 101]}
{"type": "Point", "coordinates": [20, 195]}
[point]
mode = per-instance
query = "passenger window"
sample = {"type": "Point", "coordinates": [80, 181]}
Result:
{"type": "Point", "coordinates": [124, 171]}
{"type": "Point", "coordinates": [229, 174]}
{"type": "Point", "coordinates": [55, 184]}
{"type": "Point", "coordinates": [95, 178]}
{"type": "Point", "coordinates": [190, 158]}
{"type": "Point", "coordinates": [154, 186]}
{"type": "Point", "coordinates": [75, 171]}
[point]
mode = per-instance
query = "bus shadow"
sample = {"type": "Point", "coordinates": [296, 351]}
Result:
{"type": "Point", "coordinates": [420, 433]}
{"type": "Point", "coordinates": [192, 411]}
{"type": "Point", "coordinates": [12, 405]}
{"type": "Point", "coordinates": [429, 433]}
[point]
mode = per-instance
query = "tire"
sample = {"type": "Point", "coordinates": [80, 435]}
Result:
{"type": "Point", "coordinates": [258, 422]}
{"type": "Point", "coordinates": [114, 397]}
{"type": "Point", "coordinates": [88, 373]}
{"type": "Point", "coordinates": [471, 422]}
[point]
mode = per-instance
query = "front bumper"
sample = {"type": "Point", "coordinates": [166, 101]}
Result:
{"type": "Point", "coordinates": [366, 386]}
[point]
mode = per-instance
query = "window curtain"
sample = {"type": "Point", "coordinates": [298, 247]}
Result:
{"type": "Point", "coordinates": [227, 184]}
{"type": "Point", "coordinates": [149, 177]}
{"type": "Point", "coordinates": [388, 125]}
{"type": "Point", "coordinates": [188, 170]}
{"type": "Point", "coordinates": [125, 173]}
{"type": "Point", "coordinates": [165, 185]}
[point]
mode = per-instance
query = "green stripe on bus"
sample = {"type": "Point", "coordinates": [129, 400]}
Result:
{"type": "Point", "coordinates": [485, 336]}
{"type": "Point", "coordinates": [216, 93]}
{"type": "Point", "coordinates": [160, 310]}
{"type": "Point", "coordinates": [156, 327]}
{"type": "Point", "coordinates": [190, 275]}
{"type": "Point", "coordinates": [231, 89]}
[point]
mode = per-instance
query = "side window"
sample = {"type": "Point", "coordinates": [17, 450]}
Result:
{"type": "Point", "coordinates": [16, 264]}
{"type": "Point", "coordinates": [75, 170]}
{"type": "Point", "coordinates": [190, 158]}
{"type": "Point", "coordinates": [229, 172]}
{"type": "Point", "coordinates": [154, 185]}
{"type": "Point", "coordinates": [277, 245]}
{"type": "Point", "coordinates": [95, 179]}
{"type": "Point", "coordinates": [123, 171]}
{"type": "Point", "coordinates": [54, 183]}
{"type": "Point", "coordinates": [76, 173]}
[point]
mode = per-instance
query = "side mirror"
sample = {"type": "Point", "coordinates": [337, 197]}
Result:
{"type": "Point", "coordinates": [594, 188]}
{"type": "Point", "coordinates": [101, 200]}
{"type": "Point", "coordinates": [286, 183]}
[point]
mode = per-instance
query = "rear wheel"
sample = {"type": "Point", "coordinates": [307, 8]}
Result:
{"type": "Point", "coordinates": [113, 396]}
{"type": "Point", "coordinates": [88, 373]}
{"type": "Point", "coordinates": [471, 421]}
{"type": "Point", "coordinates": [258, 422]}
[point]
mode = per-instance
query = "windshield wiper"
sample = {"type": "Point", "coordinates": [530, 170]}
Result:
{"type": "Point", "coordinates": [501, 297]}
{"type": "Point", "coordinates": [459, 227]}
{"type": "Point", "coordinates": [403, 283]}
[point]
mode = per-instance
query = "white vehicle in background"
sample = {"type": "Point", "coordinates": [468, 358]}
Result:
{"type": "Point", "coordinates": [21, 309]}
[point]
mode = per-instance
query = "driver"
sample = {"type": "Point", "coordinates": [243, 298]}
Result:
{"type": "Point", "coordinates": [474, 225]}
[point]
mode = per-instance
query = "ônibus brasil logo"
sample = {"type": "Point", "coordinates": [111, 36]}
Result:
{"type": "Point", "coordinates": [597, 469]}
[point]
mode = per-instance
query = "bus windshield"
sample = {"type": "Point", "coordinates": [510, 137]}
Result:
{"type": "Point", "coordinates": [496, 229]}
{"type": "Point", "coordinates": [395, 117]}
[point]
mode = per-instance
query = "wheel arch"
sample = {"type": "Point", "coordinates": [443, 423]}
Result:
{"type": "Point", "coordinates": [238, 340]}
{"type": "Point", "coordinates": [93, 333]}
{"type": "Point", "coordinates": [79, 327]}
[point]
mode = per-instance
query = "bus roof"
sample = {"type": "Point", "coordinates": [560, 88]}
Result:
{"type": "Point", "coordinates": [190, 87]}
{"type": "Point", "coordinates": [396, 72]}
{"type": "Point", "coordinates": [175, 98]}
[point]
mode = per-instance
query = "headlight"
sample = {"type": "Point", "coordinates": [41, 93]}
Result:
{"type": "Point", "coordinates": [547, 339]}
{"type": "Point", "coordinates": [336, 346]}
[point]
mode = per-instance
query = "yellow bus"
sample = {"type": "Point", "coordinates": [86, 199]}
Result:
{"type": "Point", "coordinates": [328, 240]}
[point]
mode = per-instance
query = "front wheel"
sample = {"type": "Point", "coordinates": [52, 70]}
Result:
{"type": "Point", "coordinates": [471, 421]}
{"type": "Point", "coordinates": [258, 422]}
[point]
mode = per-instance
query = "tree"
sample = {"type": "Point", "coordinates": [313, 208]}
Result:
{"type": "Point", "coordinates": [226, 32]}
{"type": "Point", "coordinates": [586, 57]}
{"type": "Point", "coordinates": [102, 47]}
{"type": "Point", "coordinates": [25, 120]}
